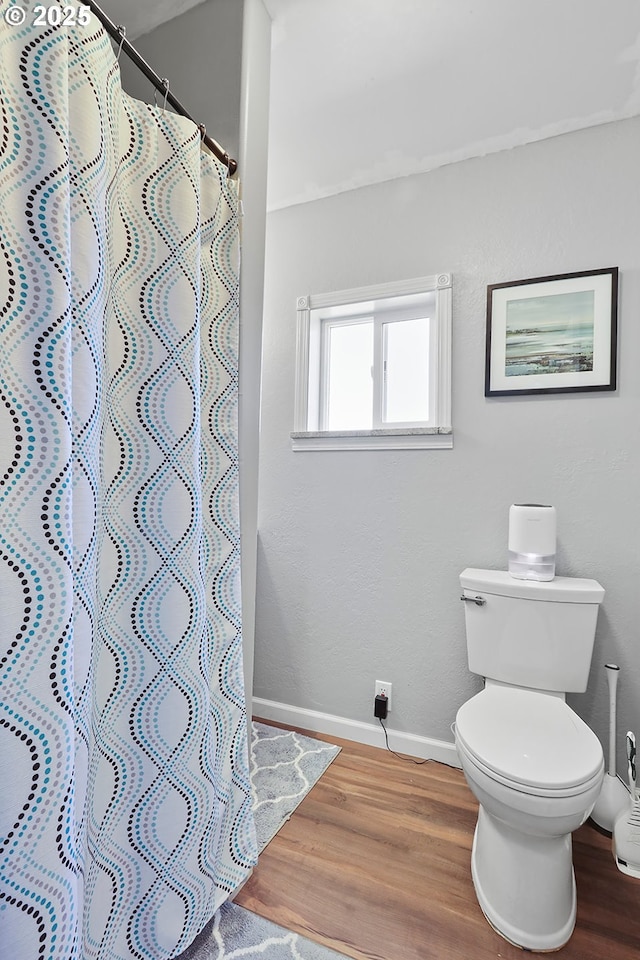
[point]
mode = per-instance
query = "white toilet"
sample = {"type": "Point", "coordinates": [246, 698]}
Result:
{"type": "Point", "coordinates": [534, 766]}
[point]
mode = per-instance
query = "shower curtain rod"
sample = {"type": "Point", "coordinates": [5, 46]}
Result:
{"type": "Point", "coordinates": [117, 33]}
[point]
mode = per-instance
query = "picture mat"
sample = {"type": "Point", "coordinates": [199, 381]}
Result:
{"type": "Point", "coordinates": [502, 296]}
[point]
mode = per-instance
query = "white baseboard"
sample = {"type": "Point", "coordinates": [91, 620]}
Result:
{"type": "Point", "coordinates": [370, 733]}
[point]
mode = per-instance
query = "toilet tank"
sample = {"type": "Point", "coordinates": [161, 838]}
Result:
{"type": "Point", "coordinates": [530, 633]}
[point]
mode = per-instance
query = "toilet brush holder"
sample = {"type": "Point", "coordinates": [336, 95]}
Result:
{"type": "Point", "coordinates": [612, 801]}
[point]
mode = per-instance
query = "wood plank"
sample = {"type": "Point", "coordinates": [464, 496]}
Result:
{"type": "Point", "coordinates": [375, 863]}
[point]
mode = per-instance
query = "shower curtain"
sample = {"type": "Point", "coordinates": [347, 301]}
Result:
{"type": "Point", "coordinates": [125, 802]}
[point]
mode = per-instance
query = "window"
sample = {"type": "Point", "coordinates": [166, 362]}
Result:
{"type": "Point", "coordinates": [374, 370]}
{"type": "Point", "coordinates": [373, 367]}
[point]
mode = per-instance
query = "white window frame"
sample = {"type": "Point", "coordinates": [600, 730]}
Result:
{"type": "Point", "coordinates": [378, 301]}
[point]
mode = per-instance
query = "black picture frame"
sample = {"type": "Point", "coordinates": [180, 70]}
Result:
{"type": "Point", "coordinates": [555, 334]}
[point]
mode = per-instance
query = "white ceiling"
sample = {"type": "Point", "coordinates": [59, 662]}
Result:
{"type": "Point", "coordinates": [141, 16]}
{"type": "Point", "coordinates": [368, 90]}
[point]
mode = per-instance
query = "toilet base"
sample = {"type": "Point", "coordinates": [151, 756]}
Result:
{"type": "Point", "coordinates": [525, 885]}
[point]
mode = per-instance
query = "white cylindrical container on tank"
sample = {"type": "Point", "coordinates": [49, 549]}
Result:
{"type": "Point", "coordinates": [532, 541]}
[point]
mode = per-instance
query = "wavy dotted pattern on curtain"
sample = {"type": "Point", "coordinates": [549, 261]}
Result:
{"type": "Point", "coordinates": [125, 800]}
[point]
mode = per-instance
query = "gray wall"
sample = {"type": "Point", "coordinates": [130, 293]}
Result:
{"type": "Point", "coordinates": [200, 53]}
{"type": "Point", "coordinates": [359, 552]}
{"type": "Point", "coordinates": [254, 139]}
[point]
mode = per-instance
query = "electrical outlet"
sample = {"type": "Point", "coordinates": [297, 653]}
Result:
{"type": "Point", "coordinates": [383, 687]}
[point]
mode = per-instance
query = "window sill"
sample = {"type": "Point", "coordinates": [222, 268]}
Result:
{"type": "Point", "coordinates": [418, 438]}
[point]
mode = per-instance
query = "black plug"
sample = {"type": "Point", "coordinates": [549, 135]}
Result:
{"type": "Point", "coordinates": [380, 706]}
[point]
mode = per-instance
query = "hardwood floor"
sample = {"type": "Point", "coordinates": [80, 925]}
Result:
{"type": "Point", "coordinates": [375, 863]}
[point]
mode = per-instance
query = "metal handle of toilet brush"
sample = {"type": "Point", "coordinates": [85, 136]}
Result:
{"type": "Point", "coordinates": [631, 760]}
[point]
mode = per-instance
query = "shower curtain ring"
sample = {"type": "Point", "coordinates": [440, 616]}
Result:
{"type": "Point", "coordinates": [165, 84]}
{"type": "Point", "coordinates": [122, 30]}
{"type": "Point", "coordinates": [203, 131]}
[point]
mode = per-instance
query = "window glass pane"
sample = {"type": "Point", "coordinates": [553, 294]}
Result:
{"type": "Point", "coordinates": [350, 358]}
{"type": "Point", "coordinates": [406, 382]}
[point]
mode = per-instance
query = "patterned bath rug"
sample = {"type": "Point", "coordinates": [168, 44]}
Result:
{"type": "Point", "coordinates": [237, 934]}
{"type": "Point", "coordinates": [284, 767]}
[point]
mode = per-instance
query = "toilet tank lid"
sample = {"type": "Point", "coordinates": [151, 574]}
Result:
{"type": "Point", "coordinates": [561, 589]}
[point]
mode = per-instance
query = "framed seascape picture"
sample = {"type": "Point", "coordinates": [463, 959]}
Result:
{"type": "Point", "coordinates": [552, 334]}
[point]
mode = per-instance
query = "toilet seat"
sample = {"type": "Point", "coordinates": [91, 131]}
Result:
{"type": "Point", "coordinates": [529, 741]}
{"type": "Point", "coordinates": [531, 790]}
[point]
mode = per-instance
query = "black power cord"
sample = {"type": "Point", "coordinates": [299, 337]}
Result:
{"type": "Point", "coordinates": [406, 759]}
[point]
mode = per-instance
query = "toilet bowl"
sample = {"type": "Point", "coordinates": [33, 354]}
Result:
{"type": "Point", "coordinates": [536, 769]}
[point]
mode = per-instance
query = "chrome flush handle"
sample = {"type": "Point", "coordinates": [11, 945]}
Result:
{"type": "Point", "coordinates": [479, 601]}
